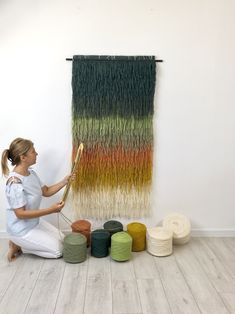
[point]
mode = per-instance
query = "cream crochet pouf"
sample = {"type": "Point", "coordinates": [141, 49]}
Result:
{"type": "Point", "coordinates": [159, 241]}
{"type": "Point", "coordinates": [180, 226]}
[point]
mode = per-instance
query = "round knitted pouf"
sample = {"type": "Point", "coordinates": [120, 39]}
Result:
{"type": "Point", "coordinates": [137, 231]}
{"type": "Point", "coordinates": [113, 226]}
{"type": "Point", "coordinates": [159, 241]}
{"type": "Point", "coordinates": [121, 244]}
{"type": "Point", "coordinates": [180, 226]}
{"type": "Point", "coordinates": [75, 248]}
{"type": "Point", "coordinates": [100, 240]}
{"type": "Point", "coordinates": [84, 227]}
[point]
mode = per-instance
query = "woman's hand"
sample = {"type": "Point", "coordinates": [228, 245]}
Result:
{"type": "Point", "coordinates": [56, 208]}
{"type": "Point", "coordinates": [73, 175]}
{"type": "Point", "coordinates": [23, 213]}
{"type": "Point", "coordinates": [70, 177]}
{"type": "Point", "coordinates": [66, 180]}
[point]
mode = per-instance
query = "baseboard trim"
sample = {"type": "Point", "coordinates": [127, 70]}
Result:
{"type": "Point", "coordinates": [194, 233]}
{"type": "Point", "coordinates": [213, 232]}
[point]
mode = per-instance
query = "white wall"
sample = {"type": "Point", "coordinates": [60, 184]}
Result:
{"type": "Point", "coordinates": [195, 113]}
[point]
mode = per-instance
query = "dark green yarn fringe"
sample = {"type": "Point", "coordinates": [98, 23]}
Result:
{"type": "Point", "coordinates": [113, 86]}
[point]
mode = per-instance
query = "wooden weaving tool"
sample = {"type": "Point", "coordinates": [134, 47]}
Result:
{"type": "Point", "coordinates": [74, 167]}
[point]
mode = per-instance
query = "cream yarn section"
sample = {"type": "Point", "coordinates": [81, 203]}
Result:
{"type": "Point", "coordinates": [180, 226]}
{"type": "Point", "coordinates": [159, 241]}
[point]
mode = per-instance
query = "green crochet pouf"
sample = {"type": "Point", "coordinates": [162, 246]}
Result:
{"type": "Point", "coordinates": [121, 245]}
{"type": "Point", "coordinates": [75, 248]}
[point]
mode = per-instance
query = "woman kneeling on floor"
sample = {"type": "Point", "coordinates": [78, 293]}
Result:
{"type": "Point", "coordinates": [24, 190]}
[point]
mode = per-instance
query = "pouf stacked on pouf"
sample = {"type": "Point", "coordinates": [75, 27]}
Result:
{"type": "Point", "coordinates": [75, 248]}
{"type": "Point", "coordinates": [100, 241]}
{"type": "Point", "coordinates": [82, 226]}
{"type": "Point", "coordinates": [121, 245]}
{"type": "Point", "coordinates": [159, 241]}
{"type": "Point", "coordinates": [137, 231]}
{"type": "Point", "coordinates": [180, 226]}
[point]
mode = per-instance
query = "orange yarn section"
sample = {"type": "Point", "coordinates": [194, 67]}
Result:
{"type": "Point", "coordinates": [137, 231]}
{"type": "Point", "coordinates": [84, 227]}
{"type": "Point", "coordinates": [112, 167]}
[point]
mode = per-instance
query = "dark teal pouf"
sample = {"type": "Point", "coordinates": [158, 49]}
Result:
{"type": "Point", "coordinates": [100, 240]}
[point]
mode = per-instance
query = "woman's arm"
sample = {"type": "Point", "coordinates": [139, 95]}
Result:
{"type": "Point", "coordinates": [23, 213]}
{"type": "Point", "coordinates": [51, 190]}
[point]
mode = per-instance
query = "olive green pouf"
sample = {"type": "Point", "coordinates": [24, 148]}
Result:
{"type": "Point", "coordinates": [75, 248]}
{"type": "Point", "coordinates": [121, 245]}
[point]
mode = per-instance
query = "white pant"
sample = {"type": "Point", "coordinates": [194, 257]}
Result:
{"type": "Point", "coordinates": [44, 240]}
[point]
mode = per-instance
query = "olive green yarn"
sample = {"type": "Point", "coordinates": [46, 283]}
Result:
{"type": "Point", "coordinates": [75, 248]}
{"type": "Point", "coordinates": [121, 245]}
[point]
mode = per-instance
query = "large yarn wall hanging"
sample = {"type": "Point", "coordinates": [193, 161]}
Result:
{"type": "Point", "coordinates": [112, 113]}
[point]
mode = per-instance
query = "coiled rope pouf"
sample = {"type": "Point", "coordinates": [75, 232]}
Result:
{"type": "Point", "coordinates": [159, 241]}
{"type": "Point", "coordinates": [180, 226]}
{"type": "Point", "coordinates": [75, 248]}
{"type": "Point", "coordinates": [82, 226]}
{"type": "Point", "coordinates": [137, 231]}
{"type": "Point", "coordinates": [121, 244]}
{"type": "Point", "coordinates": [113, 226]}
{"type": "Point", "coordinates": [100, 241]}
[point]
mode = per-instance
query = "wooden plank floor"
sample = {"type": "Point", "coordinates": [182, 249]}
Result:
{"type": "Point", "coordinates": [197, 278]}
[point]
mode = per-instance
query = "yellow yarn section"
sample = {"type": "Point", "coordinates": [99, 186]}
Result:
{"type": "Point", "coordinates": [137, 231]}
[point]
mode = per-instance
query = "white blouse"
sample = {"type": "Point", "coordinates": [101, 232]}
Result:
{"type": "Point", "coordinates": [27, 192]}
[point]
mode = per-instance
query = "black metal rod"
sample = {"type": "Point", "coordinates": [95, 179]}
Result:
{"type": "Point", "coordinates": [71, 59]}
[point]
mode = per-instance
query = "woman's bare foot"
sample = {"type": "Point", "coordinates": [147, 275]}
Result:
{"type": "Point", "coordinates": [14, 251]}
